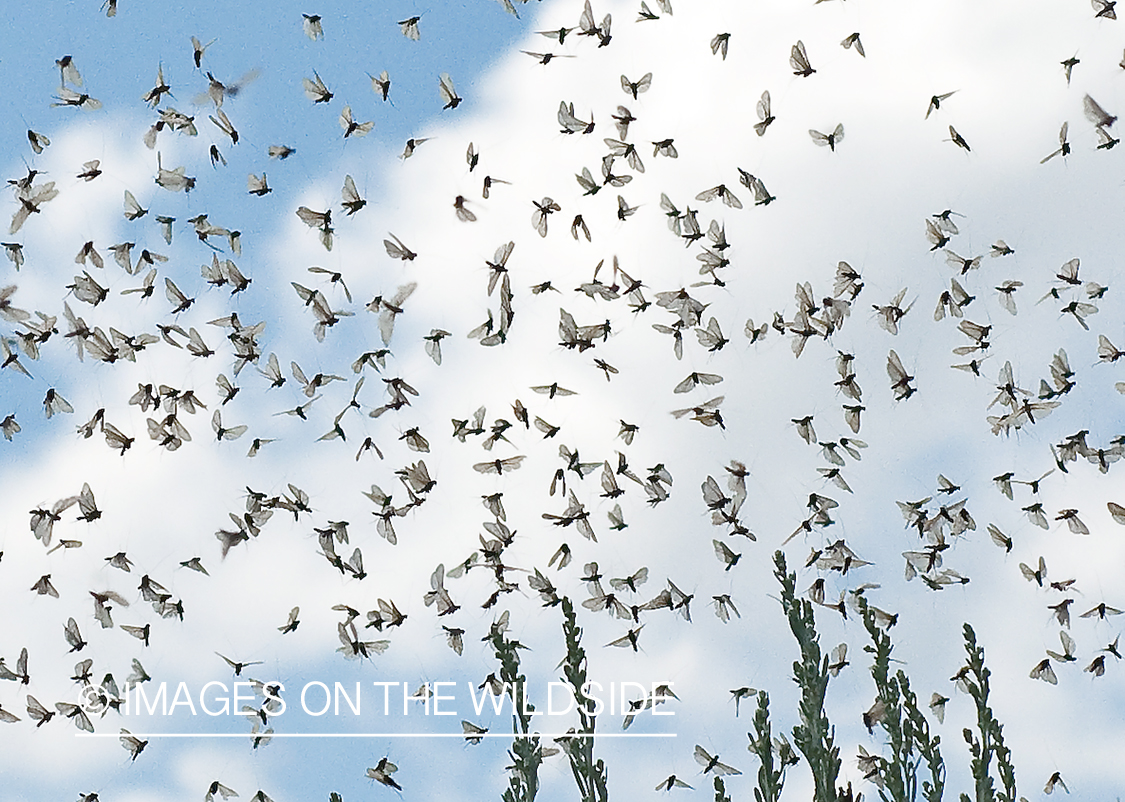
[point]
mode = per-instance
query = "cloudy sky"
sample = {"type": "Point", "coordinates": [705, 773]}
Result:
{"type": "Point", "coordinates": [868, 201]}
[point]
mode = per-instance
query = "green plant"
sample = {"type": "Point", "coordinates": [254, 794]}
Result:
{"type": "Point", "coordinates": [526, 754]}
{"type": "Point", "coordinates": [974, 679]}
{"type": "Point", "coordinates": [908, 737]}
{"type": "Point", "coordinates": [770, 777]}
{"type": "Point", "coordinates": [721, 790]}
{"type": "Point", "coordinates": [589, 775]}
{"type": "Point", "coordinates": [814, 735]}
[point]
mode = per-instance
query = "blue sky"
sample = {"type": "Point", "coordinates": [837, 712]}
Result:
{"type": "Point", "coordinates": [866, 202]}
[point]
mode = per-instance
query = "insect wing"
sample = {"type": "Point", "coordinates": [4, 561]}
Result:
{"type": "Point", "coordinates": [799, 60]}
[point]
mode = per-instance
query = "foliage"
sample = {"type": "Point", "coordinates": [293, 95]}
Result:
{"type": "Point", "coordinates": [770, 778]}
{"type": "Point", "coordinates": [721, 790]}
{"type": "Point", "coordinates": [814, 735]}
{"type": "Point", "coordinates": [897, 777]}
{"type": "Point", "coordinates": [523, 777]}
{"type": "Point", "coordinates": [589, 775]}
{"type": "Point", "coordinates": [974, 679]}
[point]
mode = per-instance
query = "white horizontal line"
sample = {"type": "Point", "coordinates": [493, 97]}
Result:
{"type": "Point", "coordinates": [263, 736]}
